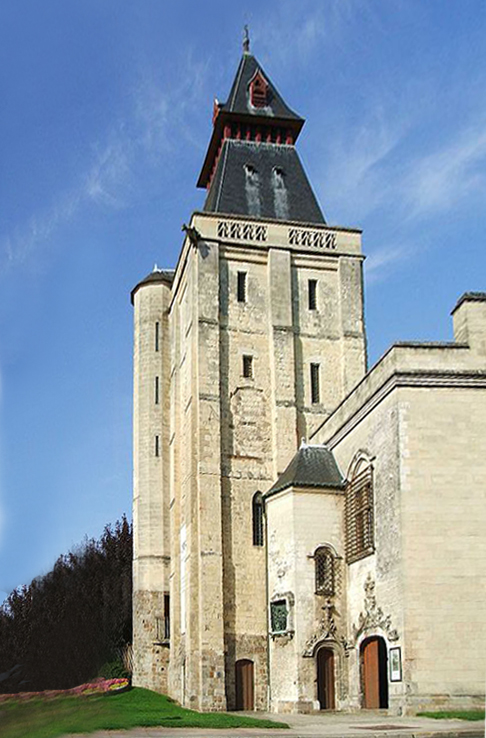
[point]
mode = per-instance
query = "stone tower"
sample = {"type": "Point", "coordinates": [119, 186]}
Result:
{"type": "Point", "coordinates": [242, 350]}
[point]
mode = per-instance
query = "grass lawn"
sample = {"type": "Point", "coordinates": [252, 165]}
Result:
{"type": "Point", "coordinates": [135, 708]}
{"type": "Point", "coordinates": [455, 715]}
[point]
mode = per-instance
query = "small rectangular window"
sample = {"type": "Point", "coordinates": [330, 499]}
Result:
{"type": "Point", "coordinates": [312, 294]}
{"type": "Point", "coordinates": [157, 329]}
{"type": "Point", "coordinates": [157, 445]}
{"type": "Point", "coordinates": [241, 290]}
{"type": "Point", "coordinates": [247, 366]}
{"type": "Point", "coordinates": [315, 389]}
{"type": "Point", "coordinates": [156, 391]}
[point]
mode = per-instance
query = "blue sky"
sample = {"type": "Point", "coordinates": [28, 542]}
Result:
{"type": "Point", "coordinates": [106, 114]}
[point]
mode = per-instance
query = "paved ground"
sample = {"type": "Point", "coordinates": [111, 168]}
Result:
{"type": "Point", "coordinates": [369, 725]}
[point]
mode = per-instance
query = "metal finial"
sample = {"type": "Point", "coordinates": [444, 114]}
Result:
{"type": "Point", "coordinates": [246, 40]}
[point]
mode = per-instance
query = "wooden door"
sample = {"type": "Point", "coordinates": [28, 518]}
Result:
{"type": "Point", "coordinates": [371, 675]}
{"type": "Point", "coordinates": [325, 679]}
{"type": "Point", "coordinates": [374, 674]}
{"type": "Point", "coordinates": [244, 685]}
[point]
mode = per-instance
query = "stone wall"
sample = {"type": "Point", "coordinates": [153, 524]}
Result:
{"type": "Point", "coordinates": [300, 521]}
{"type": "Point", "coordinates": [229, 436]}
{"type": "Point", "coordinates": [444, 519]}
{"type": "Point", "coordinates": [420, 418]}
{"type": "Point", "coordinates": [150, 482]}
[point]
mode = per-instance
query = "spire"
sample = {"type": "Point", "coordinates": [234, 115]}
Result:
{"type": "Point", "coordinates": [251, 165]}
{"type": "Point", "coordinates": [246, 40]}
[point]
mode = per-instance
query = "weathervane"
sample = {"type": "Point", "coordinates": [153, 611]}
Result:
{"type": "Point", "coordinates": [246, 40]}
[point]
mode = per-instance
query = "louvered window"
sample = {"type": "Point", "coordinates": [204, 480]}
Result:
{"type": "Point", "coordinates": [324, 564]}
{"type": "Point", "coordinates": [258, 92]}
{"type": "Point", "coordinates": [359, 515]}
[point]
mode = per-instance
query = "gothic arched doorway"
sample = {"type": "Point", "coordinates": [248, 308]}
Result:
{"type": "Point", "coordinates": [374, 673]}
{"type": "Point", "coordinates": [325, 679]}
{"type": "Point", "coordinates": [244, 685]}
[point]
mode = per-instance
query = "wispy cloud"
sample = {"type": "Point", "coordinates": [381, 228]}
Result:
{"type": "Point", "coordinates": [295, 31]}
{"type": "Point", "coordinates": [385, 167]}
{"type": "Point", "coordinates": [457, 170]}
{"type": "Point", "coordinates": [156, 116]}
{"type": "Point", "coordinates": [384, 260]}
{"type": "Point", "coordinates": [357, 172]}
{"type": "Point", "coordinates": [109, 172]}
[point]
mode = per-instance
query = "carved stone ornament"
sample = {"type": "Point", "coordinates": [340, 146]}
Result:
{"type": "Point", "coordinates": [326, 631]}
{"type": "Point", "coordinates": [373, 616]}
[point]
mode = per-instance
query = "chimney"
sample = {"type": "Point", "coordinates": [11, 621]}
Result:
{"type": "Point", "coordinates": [469, 320]}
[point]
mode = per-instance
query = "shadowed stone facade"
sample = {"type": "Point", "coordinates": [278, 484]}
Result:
{"type": "Point", "coordinates": [334, 597]}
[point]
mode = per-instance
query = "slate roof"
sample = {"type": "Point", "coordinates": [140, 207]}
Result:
{"type": "Point", "coordinates": [158, 275]}
{"type": "Point", "coordinates": [312, 466]}
{"type": "Point", "coordinates": [232, 193]}
{"type": "Point", "coordinates": [239, 99]}
{"type": "Point", "coordinates": [238, 109]}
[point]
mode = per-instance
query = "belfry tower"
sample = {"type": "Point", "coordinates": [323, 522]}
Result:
{"type": "Point", "coordinates": [242, 350]}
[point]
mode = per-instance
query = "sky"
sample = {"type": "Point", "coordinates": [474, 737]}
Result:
{"type": "Point", "coordinates": [106, 116]}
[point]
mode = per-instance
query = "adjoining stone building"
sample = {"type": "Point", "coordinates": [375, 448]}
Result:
{"type": "Point", "coordinates": [271, 573]}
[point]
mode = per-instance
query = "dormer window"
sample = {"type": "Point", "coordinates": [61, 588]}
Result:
{"type": "Point", "coordinates": [279, 178]}
{"type": "Point", "coordinates": [258, 91]}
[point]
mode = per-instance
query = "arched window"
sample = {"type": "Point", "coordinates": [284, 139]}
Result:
{"type": "Point", "coordinates": [257, 515]}
{"type": "Point", "coordinates": [359, 512]}
{"type": "Point", "coordinates": [324, 570]}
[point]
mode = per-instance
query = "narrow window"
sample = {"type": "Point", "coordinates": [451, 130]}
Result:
{"type": "Point", "coordinates": [162, 624]}
{"type": "Point", "coordinates": [312, 294]}
{"type": "Point", "coordinates": [278, 616]}
{"type": "Point", "coordinates": [241, 287]}
{"type": "Point", "coordinates": [157, 390]}
{"type": "Point", "coordinates": [166, 616]}
{"type": "Point", "coordinates": [157, 445]}
{"type": "Point", "coordinates": [248, 366]}
{"type": "Point", "coordinates": [257, 515]}
{"type": "Point", "coordinates": [157, 328]}
{"type": "Point", "coordinates": [315, 389]}
{"type": "Point", "coordinates": [324, 565]}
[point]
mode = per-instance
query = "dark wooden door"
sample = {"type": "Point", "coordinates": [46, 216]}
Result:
{"type": "Point", "coordinates": [244, 685]}
{"type": "Point", "coordinates": [374, 673]}
{"type": "Point", "coordinates": [325, 679]}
